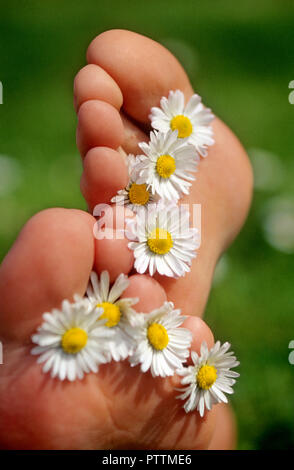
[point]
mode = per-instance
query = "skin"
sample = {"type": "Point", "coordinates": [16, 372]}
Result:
{"type": "Point", "coordinates": [56, 251]}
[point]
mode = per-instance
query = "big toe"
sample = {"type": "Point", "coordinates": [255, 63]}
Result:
{"type": "Point", "coordinates": [143, 69]}
{"type": "Point", "coordinates": [50, 261]}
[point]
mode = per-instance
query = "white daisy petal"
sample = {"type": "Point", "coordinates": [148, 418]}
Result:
{"type": "Point", "coordinates": [104, 285]}
{"type": "Point", "coordinates": [121, 283]}
{"type": "Point", "coordinates": [192, 104]}
{"type": "Point", "coordinates": [48, 364]}
{"type": "Point", "coordinates": [93, 287]}
{"type": "Point", "coordinates": [201, 406]}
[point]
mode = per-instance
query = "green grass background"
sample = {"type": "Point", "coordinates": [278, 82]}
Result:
{"type": "Point", "coordinates": [239, 56]}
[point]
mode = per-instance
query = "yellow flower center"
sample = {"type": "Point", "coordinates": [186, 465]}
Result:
{"type": "Point", "coordinates": [74, 340]}
{"type": "Point", "coordinates": [160, 241]}
{"type": "Point", "coordinates": [138, 194]}
{"type": "Point", "coordinates": [165, 166]}
{"type": "Point", "coordinates": [182, 124]}
{"type": "Point", "coordinates": [157, 336]}
{"type": "Point", "coordinates": [206, 376]}
{"type": "Point", "coordinates": [111, 314]}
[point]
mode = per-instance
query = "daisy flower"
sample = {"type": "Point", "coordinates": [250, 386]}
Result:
{"type": "Point", "coordinates": [72, 341]}
{"type": "Point", "coordinates": [135, 196]}
{"type": "Point", "coordinates": [191, 121]}
{"type": "Point", "coordinates": [116, 311]}
{"type": "Point", "coordinates": [162, 346]}
{"type": "Point", "coordinates": [163, 241]}
{"type": "Point", "coordinates": [167, 165]}
{"type": "Point", "coordinates": [209, 378]}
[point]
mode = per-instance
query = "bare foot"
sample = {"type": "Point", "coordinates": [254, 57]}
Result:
{"type": "Point", "coordinates": [55, 252]}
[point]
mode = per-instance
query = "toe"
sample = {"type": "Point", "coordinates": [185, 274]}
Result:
{"type": "Point", "coordinates": [93, 83]}
{"type": "Point", "coordinates": [105, 172]}
{"type": "Point", "coordinates": [99, 124]}
{"type": "Point", "coordinates": [150, 293]}
{"type": "Point", "coordinates": [50, 261]}
{"type": "Point", "coordinates": [113, 256]}
{"type": "Point", "coordinates": [200, 332]}
{"type": "Point", "coordinates": [143, 69]}
{"type": "Point", "coordinates": [111, 246]}
{"type": "Point", "coordinates": [133, 135]}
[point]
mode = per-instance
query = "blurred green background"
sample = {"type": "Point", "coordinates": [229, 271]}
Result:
{"type": "Point", "coordinates": [239, 56]}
